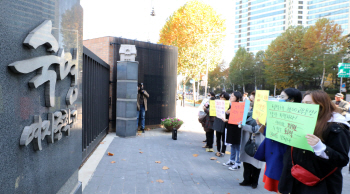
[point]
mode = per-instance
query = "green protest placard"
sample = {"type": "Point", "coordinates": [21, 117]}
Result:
{"type": "Point", "coordinates": [289, 123]}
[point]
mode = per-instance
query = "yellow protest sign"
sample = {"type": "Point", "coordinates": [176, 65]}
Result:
{"type": "Point", "coordinates": [260, 106]}
{"type": "Point", "coordinates": [212, 108]}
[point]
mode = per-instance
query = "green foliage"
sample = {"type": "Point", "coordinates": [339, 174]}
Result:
{"type": "Point", "coordinates": [242, 67]}
{"type": "Point", "coordinates": [300, 54]}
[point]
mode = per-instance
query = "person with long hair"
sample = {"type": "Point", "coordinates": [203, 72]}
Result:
{"type": "Point", "coordinates": [272, 151]}
{"type": "Point", "coordinates": [251, 166]}
{"type": "Point", "coordinates": [219, 127]}
{"type": "Point", "coordinates": [330, 142]}
{"type": "Point", "coordinates": [233, 136]}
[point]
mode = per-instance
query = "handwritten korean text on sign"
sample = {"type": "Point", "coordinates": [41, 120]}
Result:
{"type": "Point", "coordinates": [213, 109]}
{"type": "Point", "coordinates": [239, 112]}
{"type": "Point", "coordinates": [260, 111]}
{"type": "Point", "coordinates": [289, 123]}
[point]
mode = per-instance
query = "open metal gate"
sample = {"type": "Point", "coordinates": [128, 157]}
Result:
{"type": "Point", "coordinates": [95, 101]}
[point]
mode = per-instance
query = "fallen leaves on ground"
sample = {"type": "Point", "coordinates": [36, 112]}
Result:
{"type": "Point", "coordinates": [191, 174]}
{"type": "Point", "coordinates": [158, 162]}
{"type": "Point", "coordinates": [160, 181]}
{"type": "Point", "coordinates": [165, 168]}
{"type": "Point", "coordinates": [217, 162]}
{"type": "Point", "coordinates": [147, 172]}
{"type": "Point", "coordinates": [123, 159]}
{"type": "Point", "coordinates": [110, 154]}
{"type": "Point", "coordinates": [147, 129]}
{"type": "Point", "coordinates": [151, 181]}
{"type": "Point", "coordinates": [195, 155]}
{"type": "Point", "coordinates": [213, 158]}
{"type": "Point", "coordinates": [197, 183]}
{"type": "Point", "coordinates": [141, 152]}
{"type": "Point", "coordinates": [113, 162]}
{"type": "Point", "coordinates": [102, 142]}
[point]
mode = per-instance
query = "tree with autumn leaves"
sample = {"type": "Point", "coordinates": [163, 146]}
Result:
{"type": "Point", "coordinates": [301, 55]}
{"type": "Point", "coordinates": [191, 29]}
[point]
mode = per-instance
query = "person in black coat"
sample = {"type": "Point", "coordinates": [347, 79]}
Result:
{"type": "Point", "coordinates": [219, 127]}
{"type": "Point", "coordinates": [330, 142]}
{"type": "Point", "coordinates": [208, 128]}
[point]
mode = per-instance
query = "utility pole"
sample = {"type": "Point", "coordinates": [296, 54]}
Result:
{"type": "Point", "coordinates": [341, 79]}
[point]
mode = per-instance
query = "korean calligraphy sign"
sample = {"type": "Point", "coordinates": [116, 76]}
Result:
{"type": "Point", "coordinates": [49, 69]}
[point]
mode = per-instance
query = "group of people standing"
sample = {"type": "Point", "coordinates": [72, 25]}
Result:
{"type": "Point", "coordinates": [287, 169]}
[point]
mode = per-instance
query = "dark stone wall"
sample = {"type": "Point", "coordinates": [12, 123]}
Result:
{"type": "Point", "coordinates": [24, 170]}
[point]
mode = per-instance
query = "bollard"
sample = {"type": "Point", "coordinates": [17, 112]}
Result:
{"type": "Point", "coordinates": [174, 134]}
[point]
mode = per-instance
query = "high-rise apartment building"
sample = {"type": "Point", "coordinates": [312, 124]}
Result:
{"type": "Point", "coordinates": [258, 22]}
{"type": "Point", "coordinates": [337, 10]}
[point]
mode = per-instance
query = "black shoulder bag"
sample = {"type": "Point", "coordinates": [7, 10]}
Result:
{"type": "Point", "coordinates": [250, 147]}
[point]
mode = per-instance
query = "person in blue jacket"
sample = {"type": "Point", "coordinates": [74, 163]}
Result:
{"type": "Point", "coordinates": [272, 151]}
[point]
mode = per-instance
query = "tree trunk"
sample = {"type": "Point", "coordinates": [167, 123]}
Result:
{"type": "Point", "coordinates": [255, 83]}
{"type": "Point", "coordinates": [243, 88]}
{"type": "Point", "coordinates": [323, 74]}
{"type": "Point", "coordinates": [296, 86]}
{"type": "Point", "coordinates": [274, 90]}
{"type": "Point", "coordinates": [194, 90]}
{"type": "Point", "coordinates": [198, 90]}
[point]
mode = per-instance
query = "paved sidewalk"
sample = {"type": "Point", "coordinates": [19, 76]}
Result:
{"type": "Point", "coordinates": [135, 170]}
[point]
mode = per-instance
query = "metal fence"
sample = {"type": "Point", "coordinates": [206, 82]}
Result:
{"type": "Point", "coordinates": [158, 73]}
{"type": "Point", "coordinates": [95, 101]}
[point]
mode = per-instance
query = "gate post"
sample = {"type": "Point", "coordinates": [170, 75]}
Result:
{"type": "Point", "coordinates": [127, 77]}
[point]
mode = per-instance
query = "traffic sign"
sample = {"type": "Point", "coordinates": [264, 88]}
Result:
{"type": "Point", "coordinates": [191, 81]}
{"type": "Point", "coordinates": [344, 70]}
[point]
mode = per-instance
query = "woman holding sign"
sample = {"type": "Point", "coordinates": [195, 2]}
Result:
{"type": "Point", "coordinates": [219, 127]}
{"type": "Point", "coordinates": [233, 136]}
{"type": "Point", "coordinates": [271, 151]}
{"type": "Point", "coordinates": [307, 172]}
{"type": "Point", "coordinates": [250, 132]}
{"type": "Point", "coordinates": [208, 128]}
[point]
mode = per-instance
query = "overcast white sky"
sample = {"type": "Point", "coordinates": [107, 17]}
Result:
{"type": "Point", "coordinates": [131, 19]}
